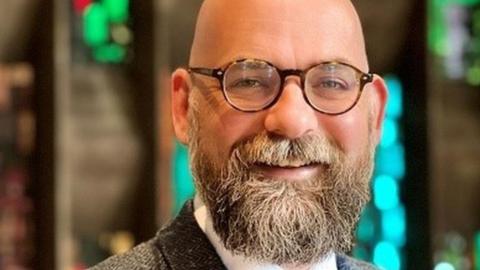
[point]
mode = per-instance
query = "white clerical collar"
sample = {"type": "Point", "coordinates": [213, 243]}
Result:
{"type": "Point", "coordinates": [236, 262]}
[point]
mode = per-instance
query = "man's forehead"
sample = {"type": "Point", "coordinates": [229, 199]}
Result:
{"type": "Point", "coordinates": [292, 28]}
{"type": "Point", "coordinates": [279, 8]}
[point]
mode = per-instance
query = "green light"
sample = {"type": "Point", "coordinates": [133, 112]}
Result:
{"type": "Point", "coordinates": [117, 10]}
{"type": "Point", "coordinates": [95, 25]}
{"type": "Point", "coordinates": [437, 29]}
{"type": "Point", "coordinates": [477, 251]}
{"type": "Point", "coordinates": [476, 22]}
{"type": "Point", "coordinates": [111, 53]}
{"type": "Point", "coordinates": [437, 25]}
{"type": "Point", "coordinates": [475, 45]}
{"type": "Point", "coordinates": [473, 75]}
{"type": "Point", "coordinates": [465, 2]}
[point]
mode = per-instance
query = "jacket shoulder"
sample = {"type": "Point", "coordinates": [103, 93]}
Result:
{"type": "Point", "coordinates": [181, 244]}
{"type": "Point", "coordinates": [145, 256]}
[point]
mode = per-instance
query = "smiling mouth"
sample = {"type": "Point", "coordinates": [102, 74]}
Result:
{"type": "Point", "coordinates": [289, 170]}
{"type": "Point", "coordinates": [287, 163]}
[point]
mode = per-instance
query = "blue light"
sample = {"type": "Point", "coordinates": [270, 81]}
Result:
{"type": "Point", "coordinates": [182, 185]}
{"type": "Point", "coordinates": [390, 133]}
{"type": "Point", "coordinates": [360, 252]}
{"type": "Point", "coordinates": [395, 101]}
{"type": "Point", "coordinates": [444, 266]}
{"type": "Point", "coordinates": [385, 255]}
{"type": "Point", "coordinates": [366, 226]}
{"type": "Point", "coordinates": [394, 226]}
{"type": "Point", "coordinates": [382, 228]}
{"type": "Point", "coordinates": [391, 161]}
{"type": "Point", "coordinates": [385, 191]}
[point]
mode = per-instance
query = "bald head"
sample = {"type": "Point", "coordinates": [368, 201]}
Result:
{"type": "Point", "coordinates": [288, 33]}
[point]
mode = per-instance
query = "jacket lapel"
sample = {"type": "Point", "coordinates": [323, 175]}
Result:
{"type": "Point", "coordinates": [185, 246]}
{"type": "Point", "coordinates": [342, 263]}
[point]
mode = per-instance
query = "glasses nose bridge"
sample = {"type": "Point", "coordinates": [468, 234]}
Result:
{"type": "Point", "coordinates": [284, 74]}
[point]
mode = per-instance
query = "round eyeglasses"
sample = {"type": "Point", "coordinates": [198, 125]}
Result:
{"type": "Point", "coordinates": [252, 85]}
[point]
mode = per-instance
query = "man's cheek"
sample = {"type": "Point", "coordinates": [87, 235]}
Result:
{"type": "Point", "coordinates": [349, 132]}
{"type": "Point", "coordinates": [235, 127]}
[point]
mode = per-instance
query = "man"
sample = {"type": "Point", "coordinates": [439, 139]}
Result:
{"type": "Point", "coordinates": [281, 118]}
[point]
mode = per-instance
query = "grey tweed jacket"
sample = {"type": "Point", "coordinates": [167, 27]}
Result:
{"type": "Point", "coordinates": [182, 245]}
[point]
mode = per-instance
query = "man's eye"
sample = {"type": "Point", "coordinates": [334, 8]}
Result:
{"type": "Point", "coordinates": [247, 83]}
{"type": "Point", "coordinates": [333, 85]}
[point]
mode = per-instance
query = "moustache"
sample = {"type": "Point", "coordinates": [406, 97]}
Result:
{"type": "Point", "coordinates": [272, 150]}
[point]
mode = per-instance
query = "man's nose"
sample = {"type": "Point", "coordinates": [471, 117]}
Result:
{"type": "Point", "coordinates": [291, 116]}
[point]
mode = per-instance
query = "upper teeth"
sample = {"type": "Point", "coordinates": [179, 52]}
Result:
{"type": "Point", "coordinates": [294, 164]}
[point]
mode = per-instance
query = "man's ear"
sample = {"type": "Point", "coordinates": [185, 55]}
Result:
{"type": "Point", "coordinates": [180, 87]}
{"type": "Point", "coordinates": [378, 106]}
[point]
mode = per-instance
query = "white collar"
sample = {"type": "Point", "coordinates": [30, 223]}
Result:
{"type": "Point", "coordinates": [236, 262]}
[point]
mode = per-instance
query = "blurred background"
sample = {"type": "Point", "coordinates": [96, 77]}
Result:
{"type": "Point", "coordinates": [89, 166]}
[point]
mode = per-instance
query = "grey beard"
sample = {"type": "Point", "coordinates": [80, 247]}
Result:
{"type": "Point", "coordinates": [278, 221]}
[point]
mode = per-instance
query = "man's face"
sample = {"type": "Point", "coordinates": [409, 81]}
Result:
{"type": "Point", "coordinates": [285, 184]}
